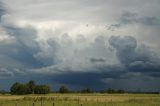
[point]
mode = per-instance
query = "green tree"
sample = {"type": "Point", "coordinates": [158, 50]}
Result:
{"type": "Point", "coordinates": [41, 89]}
{"type": "Point", "coordinates": [14, 88]}
{"type": "Point", "coordinates": [111, 90]}
{"type": "Point", "coordinates": [63, 89]}
{"type": "Point", "coordinates": [120, 91]}
{"type": "Point", "coordinates": [30, 87]}
{"type": "Point", "coordinates": [22, 89]}
{"type": "Point", "coordinates": [18, 88]}
{"type": "Point", "coordinates": [86, 90]}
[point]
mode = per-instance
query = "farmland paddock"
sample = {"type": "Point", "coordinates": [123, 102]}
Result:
{"type": "Point", "coordinates": [81, 100]}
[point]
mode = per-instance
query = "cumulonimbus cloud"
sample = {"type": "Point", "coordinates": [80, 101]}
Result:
{"type": "Point", "coordinates": [71, 48]}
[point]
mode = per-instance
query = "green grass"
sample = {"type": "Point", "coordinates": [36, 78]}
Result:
{"type": "Point", "coordinates": [81, 100]}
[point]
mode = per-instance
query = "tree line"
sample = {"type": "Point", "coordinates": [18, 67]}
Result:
{"type": "Point", "coordinates": [64, 89]}
{"type": "Point", "coordinates": [32, 88]}
{"type": "Point", "coordinates": [29, 88]}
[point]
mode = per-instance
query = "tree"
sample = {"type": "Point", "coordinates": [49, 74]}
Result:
{"type": "Point", "coordinates": [110, 90]}
{"type": "Point", "coordinates": [30, 87]}
{"type": "Point", "coordinates": [86, 90]}
{"type": "Point", "coordinates": [120, 91]}
{"type": "Point", "coordinates": [41, 89]}
{"type": "Point", "coordinates": [18, 88]}
{"type": "Point", "coordinates": [15, 88]}
{"type": "Point", "coordinates": [63, 89]}
{"type": "Point", "coordinates": [22, 89]}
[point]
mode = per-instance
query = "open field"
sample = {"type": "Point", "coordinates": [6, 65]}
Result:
{"type": "Point", "coordinates": [81, 100]}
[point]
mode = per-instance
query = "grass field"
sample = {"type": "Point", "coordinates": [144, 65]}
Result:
{"type": "Point", "coordinates": [81, 100]}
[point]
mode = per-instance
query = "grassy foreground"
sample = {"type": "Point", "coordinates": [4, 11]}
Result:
{"type": "Point", "coordinates": [81, 100]}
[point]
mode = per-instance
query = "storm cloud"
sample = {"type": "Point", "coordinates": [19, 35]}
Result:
{"type": "Point", "coordinates": [133, 56]}
{"type": "Point", "coordinates": [112, 44]}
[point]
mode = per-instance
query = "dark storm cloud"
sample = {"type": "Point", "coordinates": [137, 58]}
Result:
{"type": "Point", "coordinates": [141, 66]}
{"type": "Point", "coordinates": [25, 56]}
{"type": "Point", "coordinates": [91, 61]}
{"type": "Point", "coordinates": [132, 56]}
{"type": "Point", "coordinates": [86, 79]}
{"type": "Point", "coordinates": [24, 48]}
{"type": "Point", "coordinates": [5, 73]}
{"type": "Point", "coordinates": [21, 54]}
{"type": "Point", "coordinates": [153, 74]}
{"type": "Point", "coordinates": [135, 57]}
{"type": "Point", "coordinates": [125, 48]}
{"type": "Point", "coordinates": [137, 63]}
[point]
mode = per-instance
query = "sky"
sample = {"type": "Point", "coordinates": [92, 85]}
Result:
{"type": "Point", "coordinates": [98, 44]}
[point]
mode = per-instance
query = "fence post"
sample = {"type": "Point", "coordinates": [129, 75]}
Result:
{"type": "Point", "coordinates": [78, 100]}
{"type": "Point", "coordinates": [33, 104]}
{"type": "Point", "coordinates": [53, 103]}
{"type": "Point", "coordinates": [41, 100]}
{"type": "Point", "coordinates": [81, 105]}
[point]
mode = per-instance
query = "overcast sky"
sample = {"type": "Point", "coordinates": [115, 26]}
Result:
{"type": "Point", "coordinates": [81, 43]}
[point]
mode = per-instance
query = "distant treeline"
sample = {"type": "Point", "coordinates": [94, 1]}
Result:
{"type": "Point", "coordinates": [32, 88]}
{"type": "Point", "coordinates": [29, 88]}
{"type": "Point", "coordinates": [3, 92]}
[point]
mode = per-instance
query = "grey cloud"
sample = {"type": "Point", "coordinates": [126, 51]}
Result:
{"type": "Point", "coordinates": [85, 61]}
{"type": "Point", "coordinates": [87, 79]}
{"type": "Point", "coordinates": [129, 18]}
{"type": "Point", "coordinates": [24, 48]}
{"type": "Point", "coordinates": [2, 9]}
{"type": "Point", "coordinates": [19, 54]}
{"type": "Point", "coordinates": [47, 55]}
{"type": "Point", "coordinates": [153, 74]}
{"type": "Point", "coordinates": [137, 76]}
{"type": "Point", "coordinates": [5, 73]}
{"type": "Point", "coordinates": [125, 48]}
{"type": "Point", "coordinates": [72, 56]}
{"type": "Point", "coordinates": [135, 57]}
{"type": "Point", "coordinates": [141, 66]}
{"type": "Point", "coordinates": [113, 27]}
{"type": "Point", "coordinates": [94, 60]}
{"type": "Point", "coordinates": [26, 36]}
